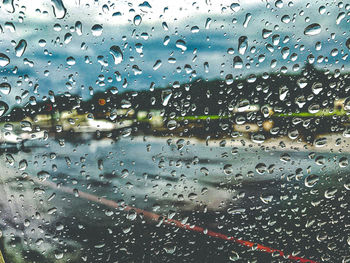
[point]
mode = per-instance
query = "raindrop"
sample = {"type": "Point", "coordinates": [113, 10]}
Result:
{"type": "Point", "coordinates": [235, 7]}
{"type": "Point", "coordinates": [340, 18]}
{"type": "Point", "coordinates": [169, 248]}
{"type": "Point", "coordinates": [248, 16]}
{"type": "Point", "coordinates": [266, 33]}
{"type": "Point", "coordinates": [137, 20]}
{"type": "Point", "coordinates": [9, 7]}
{"type": "Point", "coordinates": [171, 124]}
{"type": "Point", "coordinates": [234, 256]}
{"type": "Point", "coordinates": [322, 9]}
{"type": "Point", "coordinates": [3, 108]}
{"type": "Point", "coordinates": [242, 45]}
{"type": "Point", "coordinates": [58, 9]}
{"type": "Point", "coordinates": [68, 38]}
{"type": "Point", "coordinates": [157, 64]}
{"type": "Point", "coordinates": [285, 19]}
{"type": "Point", "coordinates": [5, 88]}
{"type": "Point", "coordinates": [181, 44]}
{"type": "Point", "coordinates": [23, 165]}
{"type": "Point", "coordinates": [207, 23]}
{"type": "Point", "coordinates": [347, 43]}
{"type": "Point", "coordinates": [70, 61]}
{"type": "Point", "coordinates": [97, 30]}
{"type": "Point", "coordinates": [279, 3]}
{"type": "Point", "coordinates": [312, 30]}
{"type": "Point", "coordinates": [59, 254]}
{"type": "Point", "coordinates": [79, 28]}
{"type": "Point", "coordinates": [237, 62]}
{"type": "Point", "coordinates": [43, 175]}
{"type": "Point", "coordinates": [228, 169]}
{"type": "Point", "coordinates": [260, 168]}
{"type": "Point", "coordinates": [311, 180]}
{"type": "Point", "coordinates": [266, 198]}
{"type": "Point", "coordinates": [166, 95]}
{"type": "Point", "coordinates": [4, 60]}
{"type": "Point", "coordinates": [21, 48]}
{"type": "Point", "coordinates": [117, 54]}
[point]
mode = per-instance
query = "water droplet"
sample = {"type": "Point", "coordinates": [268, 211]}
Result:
{"type": "Point", "coordinates": [70, 61]}
{"type": "Point", "coordinates": [43, 175]}
{"type": "Point", "coordinates": [322, 9]}
{"type": "Point", "coordinates": [5, 88]}
{"type": "Point", "coordinates": [340, 17]}
{"type": "Point", "coordinates": [266, 33]}
{"type": "Point", "coordinates": [248, 16]}
{"type": "Point", "coordinates": [79, 28]}
{"type": "Point", "coordinates": [117, 54]}
{"type": "Point", "coordinates": [242, 45]}
{"type": "Point", "coordinates": [260, 168]}
{"type": "Point", "coordinates": [169, 248]}
{"type": "Point", "coordinates": [312, 30]}
{"type": "Point", "coordinates": [235, 7]}
{"type": "Point", "coordinates": [166, 95]}
{"type": "Point", "coordinates": [266, 198]}
{"type": "Point", "coordinates": [58, 9]}
{"type": "Point", "coordinates": [285, 19]}
{"type": "Point", "coordinates": [157, 64]}
{"type": "Point", "coordinates": [3, 108]}
{"type": "Point", "coordinates": [21, 48]}
{"type": "Point", "coordinates": [330, 193]}
{"type": "Point", "coordinates": [237, 62]}
{"type": "Point", "coordinates": [204, 171]}
{"type": "Point", "coordinates": [347, 43]}
{"type": "Point", "coordinates": [68, 38]}
{"type": "Point", "coordinates": [97, 30]}
{"type": "Point", "coordinates": [181, 44]}
{"type": "Point", "coordinates": [234, 256]}
{"type": "Point", "coordinates": [279, 3]}
{"type": "Point", "coordinates": [343, 162]}
{"type": "Point", "coordinates": [59, 254]}
{"type": "Point", "coordinates": [9, 7]}
{"type": "Point", "coordinates": [4, 60]}
{"type": "Point", "coordinates": [311, 180]}
{"type": "Point", "coordinates": [171, 124]}
{"type": "Point", "coordinates": [207, 23]}
{"type": "Point", "coordinates": [228, 169]}
{"type": "Point", "coordinates": [137, 20]}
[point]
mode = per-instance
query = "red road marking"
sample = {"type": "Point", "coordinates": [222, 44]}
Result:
{"type": "Point", "coordinates": [172, 222]}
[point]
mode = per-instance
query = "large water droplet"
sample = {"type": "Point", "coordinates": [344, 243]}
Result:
{"type": "Point", "coordinates": [5, 88]}
{"type": "Point", "coordinates": [137, 20]}
{"type": "Point", "coordinates": [311, 180]}
{"type": "Point", "coordinates": [58, 9]}
{"type": "Point", "coordinates": [340, 18]}
{"type": "Point", "coordinates": [21, 48]}
{"type": "Point", "coordinates": [181, 44]}
{"type": "Point", "coordinates": [70, 61]}
{"type": "Point", "coordinates": [166, 95]}
{"type": "Point", "coordinates": [235, 7]}
{"type": "Point", "coordinates": [43, 175]}
{"type": "Point", "coordinates": [4, 60]}
{"type": "Point", "coordinates": [3, 108]}
{"type": "Point", "coordinates": [97, 30]}
{"type": "Point", "coordinates": [313, 29]}
{"type": "Point", "coordinates": [117, 54]}
{"type": "Point", "coordinates": [79, 28]}
{"type": "Point", "coordinates": [347, 43]}
{"type": "Point", "coordinates": [242, 44]}
{"type": "Point", "coordinates": [9, 7]}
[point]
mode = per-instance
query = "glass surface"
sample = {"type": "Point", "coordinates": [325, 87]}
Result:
{"type": "Point", "coordinates": [174, 131]}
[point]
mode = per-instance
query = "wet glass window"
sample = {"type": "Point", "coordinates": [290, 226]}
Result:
{"type": "Point", "coordinates": [174, 131]}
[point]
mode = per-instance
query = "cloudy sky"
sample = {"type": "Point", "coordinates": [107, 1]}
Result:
{"type": "Point", "coordinates": [163, 42]}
